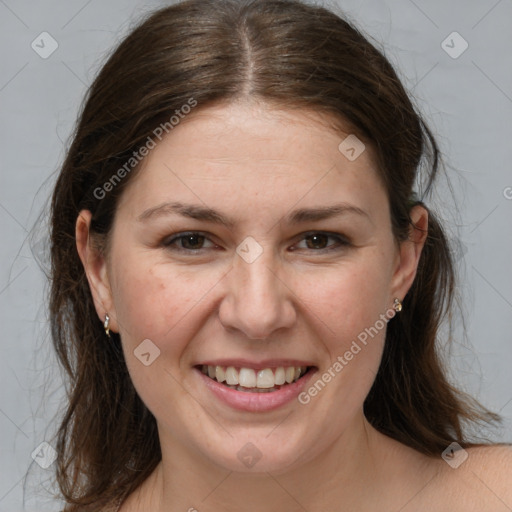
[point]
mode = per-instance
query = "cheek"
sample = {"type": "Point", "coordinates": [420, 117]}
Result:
{"type": "Point", "coordinates": [157, 304]}
{"type": "Point", "coordinates": [345, 301]}
{"type": "Point", "coordinates": [350, 309]}
{"type": "Point", "coordinates": [154, 301]}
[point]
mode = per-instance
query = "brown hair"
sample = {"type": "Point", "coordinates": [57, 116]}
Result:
{"type": "Point", "coordinates": [293, 55]}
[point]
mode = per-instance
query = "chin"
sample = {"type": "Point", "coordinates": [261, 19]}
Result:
{"type": "Point", "coordinates": [259, 455]}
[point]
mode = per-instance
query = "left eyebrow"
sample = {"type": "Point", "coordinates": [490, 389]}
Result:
{"type": "Point", "coordinates": [324, 212]}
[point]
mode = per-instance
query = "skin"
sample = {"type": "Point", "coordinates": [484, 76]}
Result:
{"type": "Point", "coordinates": [255, 164]}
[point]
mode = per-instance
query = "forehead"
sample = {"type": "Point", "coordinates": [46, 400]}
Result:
{"type": "Point", "coordinates": [238, 152]}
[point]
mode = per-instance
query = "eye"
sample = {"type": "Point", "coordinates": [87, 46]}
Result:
{"type": "Point", "coordinates": [194, 242]}
{"type": "Point", "coordinates": [191, 242]}
{"type": "Point", "coordinates": [319, 241]}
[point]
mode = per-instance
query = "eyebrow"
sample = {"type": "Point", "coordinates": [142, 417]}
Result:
{"type": "Point", "coordinates": [203, 213]}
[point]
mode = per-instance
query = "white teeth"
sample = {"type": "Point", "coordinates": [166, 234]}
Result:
{"type": "Point", "coordinates": [265, 379]}
{"type": "Point", "coordinates": [290, 374]}
{"type": "Point", "coordinates": [247, 378]}
{"type": "Point", "coordinates": [279, 377]}
{"type": "Point", "coordinates": [220, 374]}
{"type": "Point", "coordinates": [231, 376]}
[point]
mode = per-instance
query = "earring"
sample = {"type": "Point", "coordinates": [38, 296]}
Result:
{"type": "Point", "coordinates": [397, 305]}
{"type": "Point", "coordinates": [105, 325]}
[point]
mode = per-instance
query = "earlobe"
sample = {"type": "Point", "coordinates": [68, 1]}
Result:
{"type": "Point", "coordinates": [410, 252]}
{"type": "Point", "coordinates": [95, 266]}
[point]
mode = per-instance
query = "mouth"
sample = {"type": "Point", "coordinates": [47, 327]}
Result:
{"type": "Point", "coordinates": [250, 380]}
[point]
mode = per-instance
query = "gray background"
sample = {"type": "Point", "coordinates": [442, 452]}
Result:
{"type": "Point", "coordinates": [467, 101]}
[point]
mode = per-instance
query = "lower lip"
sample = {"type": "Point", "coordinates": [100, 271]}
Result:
{"type": "Point", "coordinates": [256, 402]}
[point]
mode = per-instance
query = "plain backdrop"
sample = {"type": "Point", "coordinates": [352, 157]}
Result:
{"type": "Point", "coordinates": [465, 94]}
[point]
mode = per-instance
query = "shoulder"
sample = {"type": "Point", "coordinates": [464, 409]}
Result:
{"type": "Point", "coordinates": [484, 476]}
{"type": "Point", "coordinates": [493, 463]}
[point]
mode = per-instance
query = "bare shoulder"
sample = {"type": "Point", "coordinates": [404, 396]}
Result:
{"type": "Point", "coordinates": [493, 462]}
{"type": "Point", "coordinates": [501, 453]}
{"type": "Point", "coordinates": [481, 478]}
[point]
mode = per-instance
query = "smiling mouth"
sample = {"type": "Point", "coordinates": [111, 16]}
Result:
{"type": "Point", "coordinates": [248, 380]}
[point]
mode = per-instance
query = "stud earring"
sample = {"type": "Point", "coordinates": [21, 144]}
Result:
{"type": "Point", "coordinates": [106, 325]}
{"type": "Point", "coordinates": [397, 305]}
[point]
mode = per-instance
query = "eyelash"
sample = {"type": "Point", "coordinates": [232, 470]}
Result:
{"type": "Point", "coordinates": [341, 242]}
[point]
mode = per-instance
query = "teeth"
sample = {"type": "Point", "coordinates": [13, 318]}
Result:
{"type": "Point", "coordinates": [231, 376]}
{"type": "Point", "coordinates": [266, 378]}
{"type": "Point", "coordinates": [220, 374]}
{"type": "Point", "coordinates": [246, 378]}
{"type": "Point", "coordinates": [279, 377]}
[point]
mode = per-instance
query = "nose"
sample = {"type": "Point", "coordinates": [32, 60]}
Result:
{"type": "Point", "coordinates": [258, 301]}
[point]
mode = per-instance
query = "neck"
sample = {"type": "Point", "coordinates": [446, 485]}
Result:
{"type": "Point", "coordinates": [345, 475]}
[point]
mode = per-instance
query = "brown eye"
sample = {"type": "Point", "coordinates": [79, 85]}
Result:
{"type": "Point", "coordinates": [319, 242]}
{"type": "Point", "coordinates": [192, 241]}
{"type": "Point", "coordinates": [187, 242]}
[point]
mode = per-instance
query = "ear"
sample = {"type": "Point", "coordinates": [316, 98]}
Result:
{"type": "Point", "coordinates": [409, 253]}
{"type": "Point", "coordinates": [95, 266]}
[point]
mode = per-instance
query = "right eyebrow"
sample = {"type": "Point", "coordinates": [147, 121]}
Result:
{"type": "Point", "coordinates": [192, 211]}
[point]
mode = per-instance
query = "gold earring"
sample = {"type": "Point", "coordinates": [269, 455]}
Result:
{"type": "Point", "coordinates": [105, 325]}
{"type": "Point", "coordinates": [397, 305]}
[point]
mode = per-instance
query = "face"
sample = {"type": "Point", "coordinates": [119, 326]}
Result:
{"type": "Point", "coordinates": [248, 243]}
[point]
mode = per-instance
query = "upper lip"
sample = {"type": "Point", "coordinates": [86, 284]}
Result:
{"type": "Point", "coordinates": [255, 365]}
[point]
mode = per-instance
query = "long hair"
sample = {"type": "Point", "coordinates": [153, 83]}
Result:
{"type": "Point", "coordinates": [293, 55]}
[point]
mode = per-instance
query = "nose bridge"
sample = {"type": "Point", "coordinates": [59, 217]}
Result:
{"type": "Point", "coordinates": [258, 302]}
{"type": "Point", "coordinates": [257, 282]}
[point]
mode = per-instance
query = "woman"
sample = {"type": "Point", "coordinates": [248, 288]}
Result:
{"type": "Point", "coordinates": [247, 291]}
